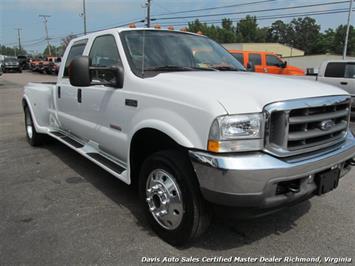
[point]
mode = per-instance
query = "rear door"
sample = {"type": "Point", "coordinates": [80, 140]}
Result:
{"type": "Point", "coordinates": [334, 74]}
{"type": "Point", "coordinates": [67, 96]}
{"type": "Point", "coordinates": [239, 57]}
{"type": "Point", "coordinates": [256, 60]}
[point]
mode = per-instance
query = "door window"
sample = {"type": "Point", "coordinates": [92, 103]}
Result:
{"type": "Point", "coordinates": [239, 57]}
{"type": "Point", "coordinates": [272, 60]}
{"type": "Point", "coordinates": [335, 70]}
{"type": "Point", "coordinates": [104, 53]}
{"type": "Point", "coordinates": [76, 50]}
{"type": "Point", "coordinates": [350, 71]}
{"type": "Point", "coordinates": [255, 59]}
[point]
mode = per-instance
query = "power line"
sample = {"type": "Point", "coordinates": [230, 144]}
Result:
{"type": "Point", "coordinates": [254, 11]}
{"type": "Point", "coordinates": [263, 17]}
{"type": "Point", "coordinates": [216, 7]}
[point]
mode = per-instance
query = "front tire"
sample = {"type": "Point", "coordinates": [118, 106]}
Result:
{"type": "Point", "coordinates": [172, 201]}
{"type": "Point", "coordinates": [33, 138]}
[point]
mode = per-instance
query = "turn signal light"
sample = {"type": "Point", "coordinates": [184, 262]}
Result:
{"type": "Point", "coordinates": [213, 146]}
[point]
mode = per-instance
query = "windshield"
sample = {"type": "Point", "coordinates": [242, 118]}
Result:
{"type": "Point", "coordinates": [174, 51]}
{"type": "Point", "coordinates": [10, 60]}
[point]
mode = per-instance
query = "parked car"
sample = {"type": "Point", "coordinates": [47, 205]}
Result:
{"type": "Point", "coordinates": [265, 62]}
{"type": "Point", "coordinates": [53, 65]}
{"type": "Point", "coordinates": [11, 64]}
{"type": "Point", "coordinates": [35, 64]}
{"type": "Point", "coordinates": [192, 132]}
{"type": "Point", "coordinates": [23, 60]}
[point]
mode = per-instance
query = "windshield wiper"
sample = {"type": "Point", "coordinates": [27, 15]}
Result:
{"type": "Point", "coordinates": [169, 68]}
{"type": "Point", "coordinates": [177, 68]}
{"type": "Point", "coordinates": [225, 68]}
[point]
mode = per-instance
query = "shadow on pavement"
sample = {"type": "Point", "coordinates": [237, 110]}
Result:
{"type": "Point", "coordinates": [222, 234]}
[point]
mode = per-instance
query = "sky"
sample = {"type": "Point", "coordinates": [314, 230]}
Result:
{"type": "Point", "coordinates": [65, 16]}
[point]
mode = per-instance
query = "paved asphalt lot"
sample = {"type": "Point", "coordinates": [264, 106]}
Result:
{"type": "Point", "coordinates": [57, 207]}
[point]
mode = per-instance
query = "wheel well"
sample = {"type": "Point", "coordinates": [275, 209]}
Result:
{"type": "Point", "coordinates": [146, 142]}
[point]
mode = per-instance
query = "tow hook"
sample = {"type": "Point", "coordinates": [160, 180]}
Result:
{"type": "Point", "coordinates": [293, 189]}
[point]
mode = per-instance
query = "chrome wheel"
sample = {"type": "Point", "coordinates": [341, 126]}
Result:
{"type": "Point", "coordinates": [164, 199]}
{"type": "Point", "coordinates": [29, 126]}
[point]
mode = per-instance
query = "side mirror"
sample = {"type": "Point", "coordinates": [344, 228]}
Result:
{"type": "Point", "coordinates": [284, 64]}
{"type": "Point", "coordinates": [79, 71]}
{"type": "Point", "coordinates": [250, 67]}
{"type": "Point", "coordinates": [82, 74]}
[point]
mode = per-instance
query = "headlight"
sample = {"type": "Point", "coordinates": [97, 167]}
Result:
{"type": "Point", "coordinates": [236, 133]}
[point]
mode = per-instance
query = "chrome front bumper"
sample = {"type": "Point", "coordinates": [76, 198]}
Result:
{"type": "Point", "coordinates": [251, 179]}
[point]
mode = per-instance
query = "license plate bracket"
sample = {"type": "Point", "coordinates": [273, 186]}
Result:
{"type": "Point", "coordinates": [327, 181]}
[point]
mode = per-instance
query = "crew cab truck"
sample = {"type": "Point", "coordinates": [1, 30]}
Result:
{"type": "Point", "coordinates": [192, 132]}
{"type": "Point", "coordinates": [265, 62]}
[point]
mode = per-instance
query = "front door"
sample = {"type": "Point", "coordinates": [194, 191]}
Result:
{"type": "Point", "coordinates": [100, 104]}
{"type": "Point", "coordinates": [273, 65]}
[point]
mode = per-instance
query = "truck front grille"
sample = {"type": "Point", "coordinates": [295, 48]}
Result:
{"type": "Point", "coordinates": [305, 125]}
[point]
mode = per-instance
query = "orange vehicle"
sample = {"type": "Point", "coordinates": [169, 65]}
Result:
{"type": "Point", "coordinates": [265, 62]}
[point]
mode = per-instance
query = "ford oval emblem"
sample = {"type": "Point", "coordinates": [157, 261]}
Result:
{"type": "Point", "coordinates": [327, 124]}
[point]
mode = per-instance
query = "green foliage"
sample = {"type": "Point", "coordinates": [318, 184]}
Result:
{"type": "Point", "coordinates": [302, 33]}
{"type": "Point", "coordinates": [11, 51]}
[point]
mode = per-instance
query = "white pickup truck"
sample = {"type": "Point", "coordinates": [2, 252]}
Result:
{"type": "Point", "coordinates": [340, 73]}
{"type": "Point", "coordinates": [178, 116]}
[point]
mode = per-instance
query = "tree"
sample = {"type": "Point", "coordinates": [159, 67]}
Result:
{"type": "Point", "coordinates": [279, 32]}
{"type": "Point", "coordinates": [305, 33]}
{"type": "Point", "coordinates": [12, 51]}
{"type": "Point", "coordinates": [53, 51]}
{"type": "Point", "coordinates": [246, 29]}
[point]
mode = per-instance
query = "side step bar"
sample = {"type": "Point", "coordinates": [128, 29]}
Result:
{"type": "Point", "coordinates": [110, 165]}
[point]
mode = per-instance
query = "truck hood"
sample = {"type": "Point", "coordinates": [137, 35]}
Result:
{"type": "Point", "coordinates": [292, 70]}
{"type": "Point", "coordinates": [239, 92]}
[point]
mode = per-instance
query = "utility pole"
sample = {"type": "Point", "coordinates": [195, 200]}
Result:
{"type": "Point", "coordinates": [84, 16]}
{"type": "Point", "coordinates": [45, 20]}
{"type": "Point", "coordinates": [19, 38]}
{"type": "Point", "coordinates": [347, 29]}
{"type": "Point", "coordinates": [147, 5]}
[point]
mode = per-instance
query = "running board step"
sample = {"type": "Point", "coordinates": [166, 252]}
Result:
{"type": "Point", "coordinates": [108, 163]}
{"type": "Point", "coordinates": [72, 142]}
{"type": "Point", "coordinates": [92, 153]}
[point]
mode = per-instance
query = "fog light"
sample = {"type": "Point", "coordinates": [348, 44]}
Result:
{"type": "Point", "coordinates": [310, 179]}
